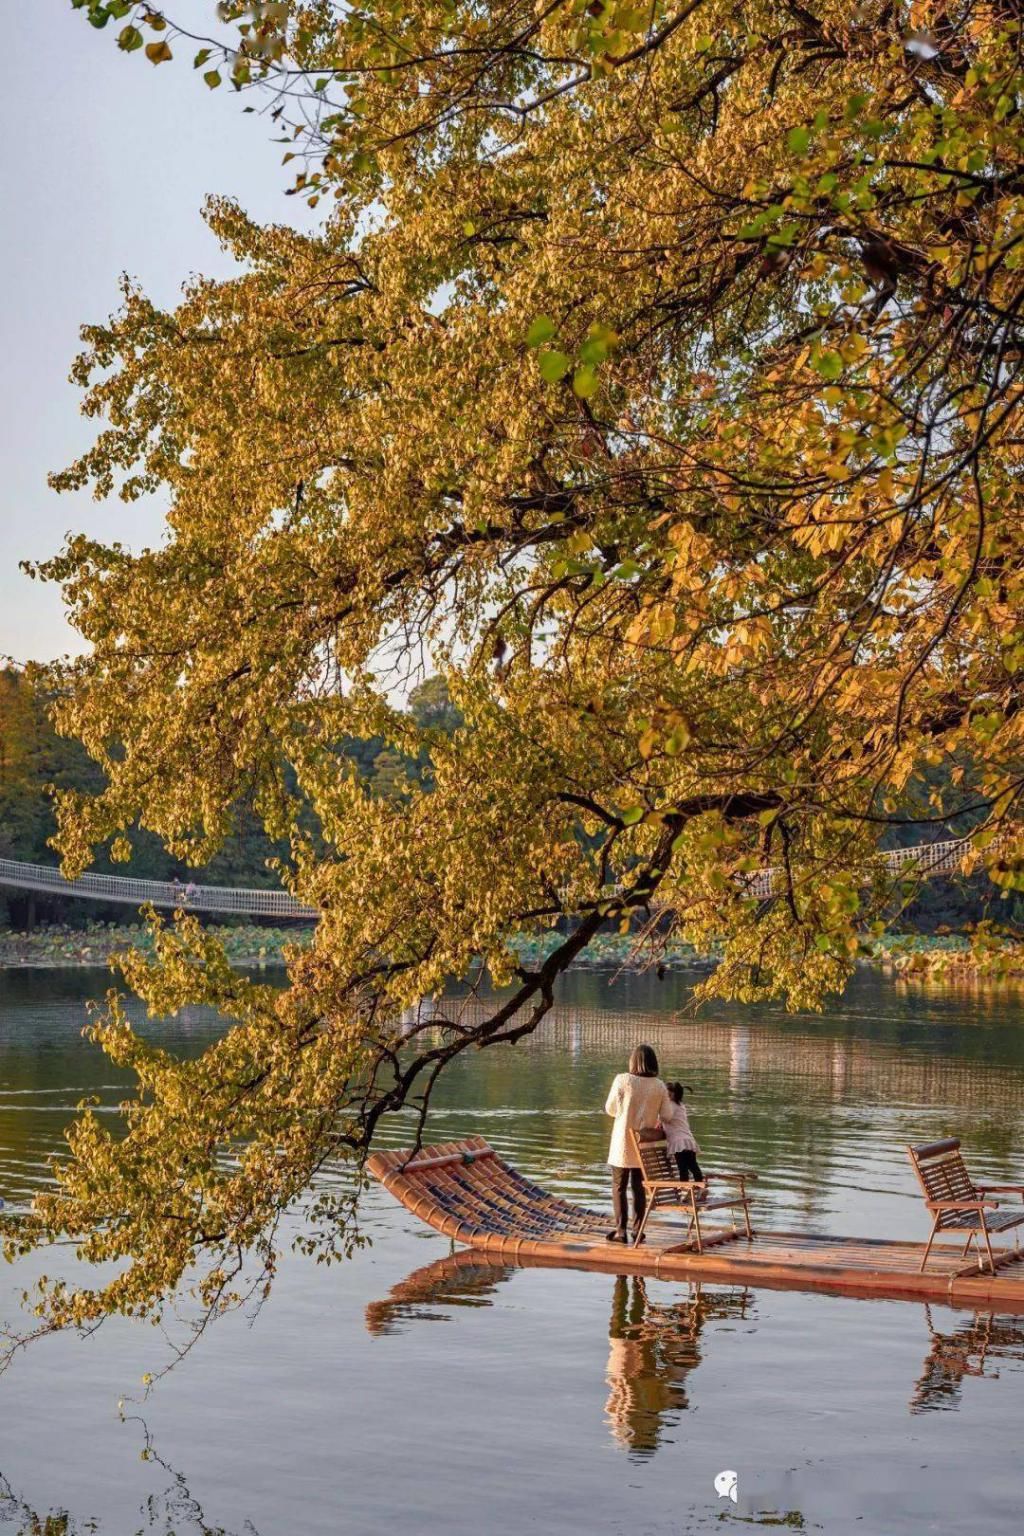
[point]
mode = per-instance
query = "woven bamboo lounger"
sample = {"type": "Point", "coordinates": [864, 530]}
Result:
{"type": "Point", "coordinates": [463, 1189]}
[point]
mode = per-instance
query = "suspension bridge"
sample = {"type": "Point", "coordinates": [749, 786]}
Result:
{"type": "Point", "coordinates": [175, 894]}
{"type": "Point", "coordinates": [923, 861]}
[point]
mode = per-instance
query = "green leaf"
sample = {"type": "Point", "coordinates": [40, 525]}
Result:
{"type": "Point", "coordinates": [798, 140]}
{"type": "Point", "coordinates": [678, 741]}
{"type": "Point", "coordinates": [541, 330]}
{"type": "Point", "coordinates": [829, 365]}
{"type": "Point", "coordinates": [212, 78]}
{"type": "Point", "coordinates": [553, 365]}
{"type": "Point", "coordinates": [594, 350]}
{"type": "Point", "coordinates": [201, 58]}
{"type": "Point", "coordinates": [784, 236]}
{"type": "Point", "coordinates": [631, 815]}
{"type": "Point", "coordinates": [584, 381]}
{"type": "Point", "coordinates": [600, 340]}
{"type": "Point", "coordinates": [129, 38]}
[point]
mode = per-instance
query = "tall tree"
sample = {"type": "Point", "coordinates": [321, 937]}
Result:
{"type": "Point", "coordinates": [656, 372]}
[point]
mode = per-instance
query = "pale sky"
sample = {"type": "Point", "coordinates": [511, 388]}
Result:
{"type": "Point", "coordinates": [105, 160]}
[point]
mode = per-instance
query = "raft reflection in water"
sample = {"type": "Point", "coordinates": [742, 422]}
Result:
{"type": "Point", "coordinates": [654, 1346]}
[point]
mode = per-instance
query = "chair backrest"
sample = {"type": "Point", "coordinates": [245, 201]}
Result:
{"type": "Point", "coordinates": [942, 1174]}
{"type": "Point", "coordinates": [654, 1159]}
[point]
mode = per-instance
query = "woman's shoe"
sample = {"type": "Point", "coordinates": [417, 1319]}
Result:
{"type": "Point", "coordinates": [616, 1236]}
{"type": "Point", "coordinates": [641, 1237]}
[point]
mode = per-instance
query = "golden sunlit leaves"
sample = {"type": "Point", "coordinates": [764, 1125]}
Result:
{"type": "Point", "coordinates": [660, 388]}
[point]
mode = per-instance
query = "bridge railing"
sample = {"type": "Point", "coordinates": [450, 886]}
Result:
{"type": "Point", "coordinates": [173, 894]}
{"type": "Point", "coordinates": [924, 859]}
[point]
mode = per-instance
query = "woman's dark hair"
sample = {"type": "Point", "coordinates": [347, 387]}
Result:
{"type": "Point", "coordinates": [675, 1092]}
{"type": "Point", "coordinates": [643, 1062]}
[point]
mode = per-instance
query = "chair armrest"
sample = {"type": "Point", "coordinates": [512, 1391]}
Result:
{"type": "Point", "coordinates": [673, 1184]}
{"type": "Point", "coordinates": [962, 1205]}
{"type": "Point", "coordinates": [1000, 1189]}
{"type": "Point", "coordinates": [737, 1178]}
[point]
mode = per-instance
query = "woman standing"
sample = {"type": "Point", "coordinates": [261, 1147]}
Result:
{"type": "Point", "coordinates": [638, 1099]}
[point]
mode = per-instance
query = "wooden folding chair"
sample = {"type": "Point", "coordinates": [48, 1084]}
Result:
{"type": "Point", "coordinates": [665, 1190]}
{"type": "Point", "coordinates": [958, 1204]}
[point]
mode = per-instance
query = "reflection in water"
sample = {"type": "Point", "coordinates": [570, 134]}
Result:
{"type": "Point", "coordinates": [967, 1350]}
{"type": "Point", "coordinates": [739, 1056]}
{"type": "Point", "coordinates": [866, 1059]}
{"type": "Point", "coordinates": [652, 1348]}
{"type": "Point", "coordinates": [174, 1511]}
{"type": "Point", "coordinates": [821, 1106]}
{"type": "Point", "coordinates": [463, 1279]}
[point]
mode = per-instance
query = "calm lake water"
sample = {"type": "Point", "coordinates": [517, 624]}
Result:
{"type": "Point", "coordinates": [411, 1391]}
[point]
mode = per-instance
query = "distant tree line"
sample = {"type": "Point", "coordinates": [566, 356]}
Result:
{"type": "Point", "coordinates": [34, 759]}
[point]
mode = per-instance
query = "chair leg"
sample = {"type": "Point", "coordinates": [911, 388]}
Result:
{"type": "Point", "coordinates": [696, 1222]}
{"type": "Point", "coordinates": [640, 1229]}
{"type": "Point", "coordinates": [746, 1218]}
{"type": "Point", "coordinates": [988, 1244]}
{"type": "Point", "coordinates": [928, 1245]}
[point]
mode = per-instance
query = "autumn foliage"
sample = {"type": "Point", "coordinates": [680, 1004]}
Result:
{"type": "Point", "coordinates": [654, 374]}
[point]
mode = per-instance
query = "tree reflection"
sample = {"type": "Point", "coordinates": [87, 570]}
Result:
{"type": "Point", "coordinates": [174, 1510]}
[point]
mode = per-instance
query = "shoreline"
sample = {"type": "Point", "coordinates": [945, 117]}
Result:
{"type": "Point", "coordinates": [918, 958]}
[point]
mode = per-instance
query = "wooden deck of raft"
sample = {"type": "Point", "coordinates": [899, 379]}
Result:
{"type": "Point", "coordinates": [467, 1192]}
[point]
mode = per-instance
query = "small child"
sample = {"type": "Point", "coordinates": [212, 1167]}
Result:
{"type": "Point", "coordinates": [682, 1144]}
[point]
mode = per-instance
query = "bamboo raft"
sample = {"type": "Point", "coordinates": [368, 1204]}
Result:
{"type": "Point", "coordinates": [464, 1190]}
